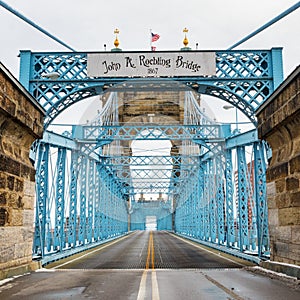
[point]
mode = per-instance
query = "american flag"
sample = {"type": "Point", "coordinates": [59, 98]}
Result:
{"type": "Point", "coordinates": [154, 36]}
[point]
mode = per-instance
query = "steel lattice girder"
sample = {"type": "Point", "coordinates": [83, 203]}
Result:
{"type": "Point", "coordinates": [78, 216]}
{"type": "Point", "coordinates": [184, 161]}
{"type": "Point", "coordinates": [106, 134]}
{"type": "Point", "coordinates": [244, 78]}
{"type": "Point", "coordinates": [151, 173]}
{"type": "Point", "coordinates": [122, 168]}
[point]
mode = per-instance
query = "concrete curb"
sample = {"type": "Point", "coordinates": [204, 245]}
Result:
{"type": "Point", "coordinates": [288, 269]}
{"type": "Point", "coordinates": [19, 270]}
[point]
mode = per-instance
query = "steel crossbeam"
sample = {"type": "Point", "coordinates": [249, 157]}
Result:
{"type": "Point", "coordinates": [184, 161]}
{"type": "Point", "coordinates": [106, 134]}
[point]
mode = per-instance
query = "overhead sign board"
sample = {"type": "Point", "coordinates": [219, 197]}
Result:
{"type": "Point", "coordinates": [151, 64]}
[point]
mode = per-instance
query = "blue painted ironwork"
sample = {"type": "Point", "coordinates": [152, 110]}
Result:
{"type": "Point", "coordinates": [220, 195]}
{"type": "Point", "coordinates": [206, 201]}
{"type": "Point", "coordinates": [212, 201]}
{"type": "Point", "coordinates": [97, 231]}
{"type": "Point", "coordinates": [83, 192]}
{"type": "Point", "coordinates": [91, 199]}
{"type": "Point", "coordinates": [59, 230]}
{"type": "Point", "coordinates": [199, 203]}
{"type": "Point", "coordinates": [66, 219]}
{"type": "Point", "coordinates": [199, 198]}
{"type": "Point", "coordinates": [268, 24]}
{"type": "Point", "coordinates": [261, 203]}
{"type": "Point", "coordinates": [230, 234]}
{"type": "Point", "coordinates": [243, 199]}
{"type": "Point", "coordinates": [42, 204]}
{"type": "Point", "coordinates": [72, 221]}
{"type": "Point", "coordinates": [244, 78]}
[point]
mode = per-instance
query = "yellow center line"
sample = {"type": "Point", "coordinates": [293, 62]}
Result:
{"type": "Point", "coordinates": [149, 250]}
{"type": "Point", "coordinates": [152, 248]}
{"type": "Point", "coordinates": [142, 289]}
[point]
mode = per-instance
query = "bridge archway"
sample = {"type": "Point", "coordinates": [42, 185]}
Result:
{"type": "Point", "coordinates": [231, 98]}
{"type": "Point", "coordinates": [244, 79]}
{"type": "Point", "coordinates": [202, 203]}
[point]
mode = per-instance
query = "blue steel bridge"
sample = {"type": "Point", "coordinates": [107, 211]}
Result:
{"type": "Point", "coordinates": [92, 187]}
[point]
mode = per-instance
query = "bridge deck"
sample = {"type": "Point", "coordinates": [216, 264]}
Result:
{"type": "Point", "coordinates": [147, 265]}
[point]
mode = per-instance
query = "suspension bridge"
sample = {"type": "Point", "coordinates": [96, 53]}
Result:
{"type": "Point", "coordinates": [148, 158]}
{"type": "Point", "coordinates": [211, 184]}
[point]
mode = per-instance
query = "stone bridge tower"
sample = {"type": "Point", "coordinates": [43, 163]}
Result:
{"type": "Point", "coordinates": [21, 122]}
{"type": "Point", "coordinates": [279, 124]}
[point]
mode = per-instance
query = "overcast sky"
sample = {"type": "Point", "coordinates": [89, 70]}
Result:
{"type": "Point", "coordinates": [88, 25]}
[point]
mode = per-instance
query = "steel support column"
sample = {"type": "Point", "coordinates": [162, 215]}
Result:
{"type": "Point", "coordinates": [73, 221]}
{"type": "Point", "coordinates": [82, 218]}
{"type": "Point", "coordinates": [230, 238]}
{"type": "Point", "coordinates": [261, 200]}
{"type": "Point", "coordinates": [42, 173]}
{"type": "Point", "coordinates": [243, 190]}
{"type": "Point", "coordinates": [59, 228]}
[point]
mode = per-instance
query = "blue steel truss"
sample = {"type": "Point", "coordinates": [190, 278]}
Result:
{"type": "Point", "coordinates": [199, 201]}
{"type": "Point", "coordinates": [101, 200]}
{"type": "Point", "coordinates": [244, 78]}
{"type": "Point", "coordinates": [215, 194]}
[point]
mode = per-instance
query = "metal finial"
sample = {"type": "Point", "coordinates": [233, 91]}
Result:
{"type": "Point", "coordinates": [116, 42]}
{"type": "Point", "coordinates": [185, 40]}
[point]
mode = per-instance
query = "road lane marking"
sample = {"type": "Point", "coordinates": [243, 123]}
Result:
{"type": "Point", "coordinates": [142, 288]}
{"type": "Point", "coordinates": [152, 249]}
{"type": "Point", "coordinates": [143, 283]}
{"type": "Point", "coordinates": [155, 292]}
{"type": "Point", "coordinates": [149, 251]}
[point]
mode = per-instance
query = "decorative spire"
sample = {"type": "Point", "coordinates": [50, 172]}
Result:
{"type": "Point", "coordinates": [116, 42]}
{"type": "Point", "coordinates": [185, 41]}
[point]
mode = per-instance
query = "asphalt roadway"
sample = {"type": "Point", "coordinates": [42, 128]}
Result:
{"type": "Point", "coordinates": [150, 265]}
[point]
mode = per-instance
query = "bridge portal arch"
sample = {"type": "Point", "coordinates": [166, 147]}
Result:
{"type": "Point", "coordinates": [206, 198]}
{"type": "Point", "coordinates": [243, 78]}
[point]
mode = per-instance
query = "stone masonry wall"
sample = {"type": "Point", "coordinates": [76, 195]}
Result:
{"type": "Point", "coordinates": [279, 125]}
{"type": "Point", "coordinates": [151, 108]}
{"type": "Point", "coordinates": [21, 122]}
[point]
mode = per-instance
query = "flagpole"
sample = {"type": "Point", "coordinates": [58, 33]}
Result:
{"type": "Point", "coordinates": [150, 39]}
